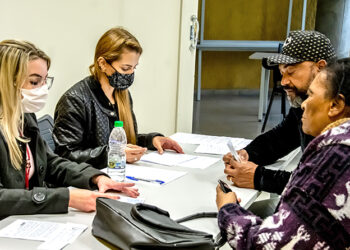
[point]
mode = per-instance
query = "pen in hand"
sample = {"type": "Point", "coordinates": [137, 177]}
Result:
{"type": "Point", "coordinates": [233, 151]}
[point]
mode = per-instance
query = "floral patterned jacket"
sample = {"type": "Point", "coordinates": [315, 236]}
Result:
{"type": "Point", "coordinates": [314, 211]}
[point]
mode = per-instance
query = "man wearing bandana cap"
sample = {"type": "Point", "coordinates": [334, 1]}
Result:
{"type": "Point", "coordinates": [304, 54]}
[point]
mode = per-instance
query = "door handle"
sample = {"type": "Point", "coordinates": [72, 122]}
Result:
{"type": "Point", "coordinates": [194, 31]}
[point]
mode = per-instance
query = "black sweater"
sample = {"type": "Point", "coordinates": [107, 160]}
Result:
{"type": "Point", "coordinates": [274, 144]}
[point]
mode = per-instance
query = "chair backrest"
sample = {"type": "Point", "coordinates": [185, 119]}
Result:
{"type": "Point", "coordinates": [276, 72]}
{"type": "Point", "coordinates": [45, 124]}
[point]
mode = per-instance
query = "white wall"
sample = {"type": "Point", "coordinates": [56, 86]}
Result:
{"type": "Point", "coordinates": [68, 32]}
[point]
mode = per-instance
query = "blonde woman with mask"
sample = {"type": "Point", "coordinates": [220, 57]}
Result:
{"type": "Point", "coordinates": [27, 164]}
{"type": "Point", "coordinates": [85, 114]}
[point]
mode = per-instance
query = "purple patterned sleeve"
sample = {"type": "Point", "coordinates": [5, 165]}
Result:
{"type": "Point", "coordinates": [236, 223]}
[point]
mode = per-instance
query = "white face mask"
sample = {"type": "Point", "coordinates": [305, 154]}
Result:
{"type": "Point", "coordinates": [34, 99]}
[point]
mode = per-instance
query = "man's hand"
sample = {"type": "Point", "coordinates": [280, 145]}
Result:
{"type": "Point", "coordinates": [85, 200]}
{"type": "Point", "coordinates": [243, 155]}
{"type": "Point", "coordinates": [161, 143]}
{"type": "Point", "coordinates": [134, 153]}
{"type": "Point", "coordinates": [241, 173]}
{"type": "Point", "coordinates": [105, 183]}
{"type": "Point", "coordinates": [225, 198]}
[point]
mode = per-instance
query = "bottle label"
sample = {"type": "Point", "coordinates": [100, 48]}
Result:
{"type": "Point", "coordinates": [116, 165]}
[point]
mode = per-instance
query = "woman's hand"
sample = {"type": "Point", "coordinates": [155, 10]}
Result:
{"type": "Point", "coordinates": [105, 183]}
{"type": "Point", "coordinates": [134, 153]}
{"type": "Point", "coordinates": [85, 200]}
{"type": "Point", "coordinates": [225, 198]}
{"type": "Point", "coordinates": [161, 143]}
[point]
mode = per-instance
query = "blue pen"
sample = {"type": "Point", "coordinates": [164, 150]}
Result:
{"type": "Point", "coordinates": [146, 180]}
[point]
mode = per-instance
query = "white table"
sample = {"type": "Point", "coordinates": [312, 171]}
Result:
{"type": "Point", "coordinates": [192, 193]}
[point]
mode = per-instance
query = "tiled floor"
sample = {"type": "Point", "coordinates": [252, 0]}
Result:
{"type": "Point", "coordinates": [232, 115]}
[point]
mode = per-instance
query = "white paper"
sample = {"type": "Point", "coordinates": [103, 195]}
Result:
{"type": "Point", "coordinates": [197, 138]}
{"type": "Point", "coordinates": [222, 148]}
{"type": "Point", "coordinates": [209, 144]}
{"type": "Point", "coordinates": [181, 160]}
{"type": "Point", "coordinates": [66, 236]}
{"type": "Point", "coordinates": [31, 230]}
{"type": "Point", "coordinates": [55, 235]}
{"type": "Point", "coordinates": [152, 174]}
{"type": "Point", "coordinates": [200, 162]}
{"type": "Point", "coordinates": [217, 149]}
{"type": "Point", "coordinates": [167, 158]}
{"type": "Point", "coordinates": [131, 200]}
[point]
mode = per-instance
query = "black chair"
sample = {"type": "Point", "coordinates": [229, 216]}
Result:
{"type": "Point", "coordinates": [277, 89]}
{"type": "Point", "coordinates": [45, 124]}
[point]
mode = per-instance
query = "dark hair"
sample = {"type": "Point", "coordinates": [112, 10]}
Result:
{"type": "Point", "coordinates": [338, 77]}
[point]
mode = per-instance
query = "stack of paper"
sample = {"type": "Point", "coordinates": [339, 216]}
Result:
{"type": "Point", "coordinates": [198, 139]}
{"type": "Point", "coordinates": [209, 144]}
{"type": "Point", "coordinates": [181, 160]}
{"type": "Point", "coordinates": [152, 175]}
{"type": "Point", "coordinates": [222, 148]}
{"type": "Point", "coordinates": [55, 235]}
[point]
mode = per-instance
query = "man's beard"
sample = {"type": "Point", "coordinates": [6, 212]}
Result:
{"type": "Point", "coordinates": [300, 96]}
{"type": "Point", "coordinates": [296, 101]}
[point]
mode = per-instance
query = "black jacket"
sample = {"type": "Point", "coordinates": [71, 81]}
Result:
{"type": "Point", "coordinates": [83, 123]}
{"type": "Point", "coordinates": [49, 168]}
{"type": "Point", "coordinates": [274, 144]}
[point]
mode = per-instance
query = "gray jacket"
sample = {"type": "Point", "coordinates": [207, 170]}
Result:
{"type": "Point", "coordinates": [49, 169]}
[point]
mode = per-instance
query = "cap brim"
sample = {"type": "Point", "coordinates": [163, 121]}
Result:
{"type": "Point", "coordinates": [282, 59]}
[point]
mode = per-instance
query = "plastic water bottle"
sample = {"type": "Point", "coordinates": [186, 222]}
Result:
{"type": "Point", "coordinates": [116, 152]}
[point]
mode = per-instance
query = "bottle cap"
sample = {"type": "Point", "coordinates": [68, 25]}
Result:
{"type": "Point", "coordinates": [118, 124]}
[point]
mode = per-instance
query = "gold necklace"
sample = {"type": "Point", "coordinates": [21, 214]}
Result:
{"type": "Point", "coordinates": [335, 124]}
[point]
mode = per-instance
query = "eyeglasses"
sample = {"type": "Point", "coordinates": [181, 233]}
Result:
{"type": "Point", "coordinates": [49, 81]}
{"type": "Point", "coordinates": [37, 82]}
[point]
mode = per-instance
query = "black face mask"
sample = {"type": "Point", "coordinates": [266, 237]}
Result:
{"type": "Point", "coordinates": [120, 81]}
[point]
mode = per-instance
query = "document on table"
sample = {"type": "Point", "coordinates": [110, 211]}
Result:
{"type": "Point", "coordinates": [147, 174]}
{"type": "Point", "coordinates": [55, 235]}
{"type": "Point", "coordinates": [198, 139]}
{"type": "Point", "coordinates": [222, 148]}
{"type": "Point", "coordinates": [167, 158]}
{"type": "Point", "coordinates": [131, 200]}
{"type": "Point", "coordinates": [209, 144]}
{"type": "Point", "coordinates": [181, 160]}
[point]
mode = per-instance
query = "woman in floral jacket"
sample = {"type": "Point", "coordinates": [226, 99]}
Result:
{"type": "Point", "coordinates": [314, 211]}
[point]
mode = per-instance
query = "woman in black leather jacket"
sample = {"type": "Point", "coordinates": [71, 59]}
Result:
{"type": "Point", "coordinates": [27, 165]}
{"type": "Point", "coordinates": [85, 114]}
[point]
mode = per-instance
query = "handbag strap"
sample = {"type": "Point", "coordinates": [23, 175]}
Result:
{"type": "Point", "coordinates": [198, 216]}
{"type": "Point", "coordinates": [219, 241]}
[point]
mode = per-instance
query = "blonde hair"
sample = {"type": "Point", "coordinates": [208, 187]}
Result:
{"type": "Point", "coordinates": [14, 58]}
{"type": "Point", "coordinates": [111, 46]}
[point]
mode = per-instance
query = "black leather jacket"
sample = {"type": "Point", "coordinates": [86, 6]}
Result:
{"type": "Point", "coordinates": [83, 124]}
{"type": "Point", "coordinates": [49, 168]}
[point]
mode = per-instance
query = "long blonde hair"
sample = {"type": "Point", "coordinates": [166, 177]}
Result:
{"type": "Point", "coordinates": [111, 46]}
{"type": "Point", "coordinates": [14, 58]}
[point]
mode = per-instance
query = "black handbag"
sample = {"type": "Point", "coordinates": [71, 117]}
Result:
{"type": "Point", "coordinates": [143, 226]}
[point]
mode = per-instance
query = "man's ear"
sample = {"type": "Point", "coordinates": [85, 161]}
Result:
{"type": "Point", "coordinates": [102, 63]}
{"type": "Point", "coordinates": [337, 106]}
{"type": "Point", "coordinates": [321, 64]}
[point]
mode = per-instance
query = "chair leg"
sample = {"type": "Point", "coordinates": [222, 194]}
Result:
{"type": "Point", "coordinates": [268, 110]}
